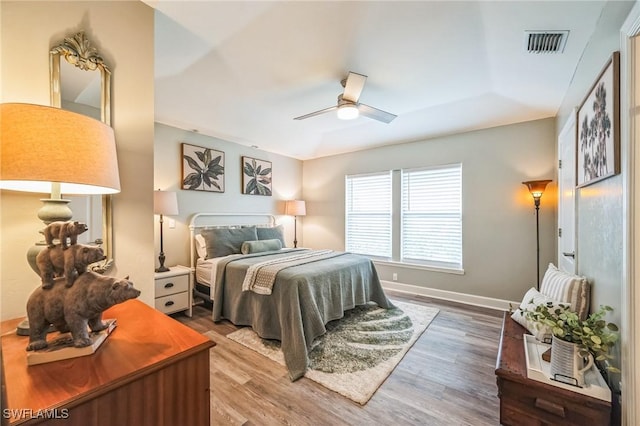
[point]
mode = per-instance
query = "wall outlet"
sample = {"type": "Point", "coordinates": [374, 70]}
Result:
{"type": "Point", "coordinates": [172, 223]}
{"type": "Point", "coordinates": [395, 276]}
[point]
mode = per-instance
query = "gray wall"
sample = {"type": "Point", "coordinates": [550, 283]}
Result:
{"type": "Point", "coordinates": [287, 178]}
{"type": "Point", "coordinates": [599, 206]}
{"type": "Point", "coordinates": [499, 246]}
{"type": "Point", "coordinates": [599, 213]}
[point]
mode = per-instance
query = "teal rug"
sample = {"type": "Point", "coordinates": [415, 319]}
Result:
{"type": "Point", "coordinates": [359, 351]}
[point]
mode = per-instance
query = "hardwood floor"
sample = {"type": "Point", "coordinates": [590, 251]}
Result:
{"type": "Point", "coordinates": [446, 378]}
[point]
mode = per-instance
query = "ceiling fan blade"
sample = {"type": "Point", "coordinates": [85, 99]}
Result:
{"type": "Point", "coordinates": [313, 114]}
{"type": "Point", "coordinates": [376, 114]}
{"type": "Point", "coordinates": [353, 86]}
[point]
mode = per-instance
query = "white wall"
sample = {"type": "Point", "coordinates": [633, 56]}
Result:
{"type": "Point", "coordinates": [123, 34]}
{"type": "Point", "coordinates": [499, 248]}
{"type": "Point", "coordinates": [287, 178]}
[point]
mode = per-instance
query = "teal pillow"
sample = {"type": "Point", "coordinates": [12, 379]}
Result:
{"type": "Point", "coordinates": [225, 241]}
{"type": "Point", "coordinates": [277, 232]}
{"type": "Point", "coordinates": [249, 247]}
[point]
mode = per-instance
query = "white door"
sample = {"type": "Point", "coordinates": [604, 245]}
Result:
{"type": "Point", "coordinates": [566, 197]}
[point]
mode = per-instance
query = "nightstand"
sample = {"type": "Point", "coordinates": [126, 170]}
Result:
{"type": "Point", "coordinates": [173, 290]}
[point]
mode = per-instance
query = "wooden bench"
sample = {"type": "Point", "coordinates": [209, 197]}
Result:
{"type": "Point", "coordinates": [525, 402]}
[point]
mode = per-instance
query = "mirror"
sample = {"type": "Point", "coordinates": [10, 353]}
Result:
{"type": "Point", "coordinates": [81, 82]}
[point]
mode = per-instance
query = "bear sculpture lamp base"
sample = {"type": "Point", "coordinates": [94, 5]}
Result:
{"type": "Point", "coordinates": [23, 328]}
{"type": "Point", "coordinates": [62, 347]}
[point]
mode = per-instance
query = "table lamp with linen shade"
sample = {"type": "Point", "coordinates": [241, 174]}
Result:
{"type": "Point", "coordinates": [52, 150]}
{"type": "Point", "coordinates": [295, 208]}
{"type": "Point", "coordinates": [164, 203]}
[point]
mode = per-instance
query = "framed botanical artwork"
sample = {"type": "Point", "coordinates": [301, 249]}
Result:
{"type": "Point", "coordinates": [202, 168]}
{"type": "Point", "coordinates": [256, 176]}
{"type": "Point", "coordinates": [598, 127]}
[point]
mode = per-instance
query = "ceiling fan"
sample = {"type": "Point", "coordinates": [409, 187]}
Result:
{"type": "Point", "coordinates": [348, 106]}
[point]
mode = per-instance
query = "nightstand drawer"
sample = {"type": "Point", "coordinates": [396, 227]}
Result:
{"type": "Point", "coordinates": [173, 303]}
{"type": "Point", "coordinates": [172, 285]}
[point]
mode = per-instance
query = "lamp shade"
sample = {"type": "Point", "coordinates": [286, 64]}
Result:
{"type": "Point", "coordinates": [295, 208]}
{"type": "Point", "coordinates": [43, 145]}
{"type": "Point", "coordinates": [537, 187]}
{"type": "Point", "coordinates": [165, 203]}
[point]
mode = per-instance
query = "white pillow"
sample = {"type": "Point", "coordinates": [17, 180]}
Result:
{"type": "Point", "coordinates": [530, 300]}
{"type": "Point", "coordinates": [201, 246]}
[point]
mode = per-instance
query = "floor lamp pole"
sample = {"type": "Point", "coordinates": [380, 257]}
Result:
{"type": "Point", "coordinates": [537, 202]}
{"type": "Point", "coordinates": [162, 268]}
{"type": "Point", "coordinates": [295, 231]}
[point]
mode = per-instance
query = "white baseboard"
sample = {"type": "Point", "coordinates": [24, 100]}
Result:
{"type": "Point", "coordinates": [468, 299]}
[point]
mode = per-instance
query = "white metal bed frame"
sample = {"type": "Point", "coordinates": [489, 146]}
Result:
{"type": "Point", "coordinates": [200, 221]}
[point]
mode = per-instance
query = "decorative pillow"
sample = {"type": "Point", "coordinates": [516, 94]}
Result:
{"type": "Point", "coordinates": [201, 247]}
{"type": "Point", "coordinates": [249, 247]}
{"type": "Point", "coordinates": [530, 300]}
{"type": "Point", "coordinates": [567, 288]}
{"type": "Point", "coordinates": [225, 241]}
{"type": "Point", "coordinates": [277, 232]}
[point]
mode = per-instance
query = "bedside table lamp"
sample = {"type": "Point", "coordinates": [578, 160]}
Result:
{"type": "Point", "coordinates": [295, 208]}
{"type": "Point", "coordinates": [536, 188]}
{"type": "Point", "coordinates": [51, 150]}
{"type": "Point", "coordinates": [164, 203]}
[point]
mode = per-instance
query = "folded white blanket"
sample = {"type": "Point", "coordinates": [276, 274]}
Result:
{"type": "Point", "coordinates": [261, 276]}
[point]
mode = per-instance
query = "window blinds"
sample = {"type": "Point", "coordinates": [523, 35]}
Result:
{"type": "Point", "coordinates": [431, 223]}
{"type": "Point", "coordinates": [368, 214]}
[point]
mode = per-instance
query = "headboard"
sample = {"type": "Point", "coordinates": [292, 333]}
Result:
{"type": "Point", "coordinates": [200, 221]}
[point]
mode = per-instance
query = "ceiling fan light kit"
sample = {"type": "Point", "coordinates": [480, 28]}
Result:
{"type": "Point", "coordinates": [347, 112]}
{"type": "Point", "coordinates": [348, 107]}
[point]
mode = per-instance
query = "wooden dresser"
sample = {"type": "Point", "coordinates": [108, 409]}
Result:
{"type": "Point", "coordinates": [152, 370]}
{"type": "Point", "coordinates": [525, 402]}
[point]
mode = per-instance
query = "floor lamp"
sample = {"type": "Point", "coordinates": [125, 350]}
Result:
{"type": "Point", "coordinates": [295, 208]}
{"type": "Point", "coordinates": [51, 150]}
{"type": "Point", "coordinates": [536, 188]}
{"type": "Point", "coordinates": [164, 203]}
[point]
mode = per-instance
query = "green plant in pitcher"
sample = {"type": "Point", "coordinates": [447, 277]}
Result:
{"type": "Point", "coordinates": [593, 334]}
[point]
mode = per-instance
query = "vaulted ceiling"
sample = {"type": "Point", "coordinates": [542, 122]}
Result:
{"type": "Point", "coordinates": [241, 71]}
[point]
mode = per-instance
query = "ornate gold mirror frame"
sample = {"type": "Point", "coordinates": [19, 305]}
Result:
{"type": "Point", "coordinates": [78, 52]}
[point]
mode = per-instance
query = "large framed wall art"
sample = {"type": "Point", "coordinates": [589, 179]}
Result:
{"type": "Point", "coordinates": [598, 127]}
{"type": "Point", "coordinates": [256, 176]}
{"type": "Point", "coordinates": [202, 168]}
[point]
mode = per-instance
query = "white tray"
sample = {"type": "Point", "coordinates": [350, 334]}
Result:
{"type": "Point", "coordinates": [540, 370]}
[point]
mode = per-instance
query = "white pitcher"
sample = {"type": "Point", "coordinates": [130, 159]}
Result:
{"type": "Point", "coordinates": [567, 363]}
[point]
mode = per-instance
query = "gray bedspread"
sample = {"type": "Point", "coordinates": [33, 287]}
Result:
{"type": "Point", "coordinates": [304, 299]}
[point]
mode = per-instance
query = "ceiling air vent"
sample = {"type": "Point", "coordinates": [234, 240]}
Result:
{"type": "Point", "coordinates": [545, 41]}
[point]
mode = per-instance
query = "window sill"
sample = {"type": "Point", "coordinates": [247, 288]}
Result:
{"type": "Point", "coordinates": [418, 266]}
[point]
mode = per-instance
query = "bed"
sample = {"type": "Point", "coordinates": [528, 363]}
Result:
{"type": "Point", "coordinates": [306, 288]}
{"type": "Point", "coordinates": [204, 270]}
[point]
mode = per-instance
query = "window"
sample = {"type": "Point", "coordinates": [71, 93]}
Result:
{"type": "Point", "coordinates": [412, 216]}
{"type": "Point", "coordinates": [368, 214]}
{"type": "Point", "coordinates": [431, 221]}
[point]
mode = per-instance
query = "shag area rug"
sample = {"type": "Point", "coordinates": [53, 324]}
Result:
{"type": "Point", "coordinates": [358, 351]}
